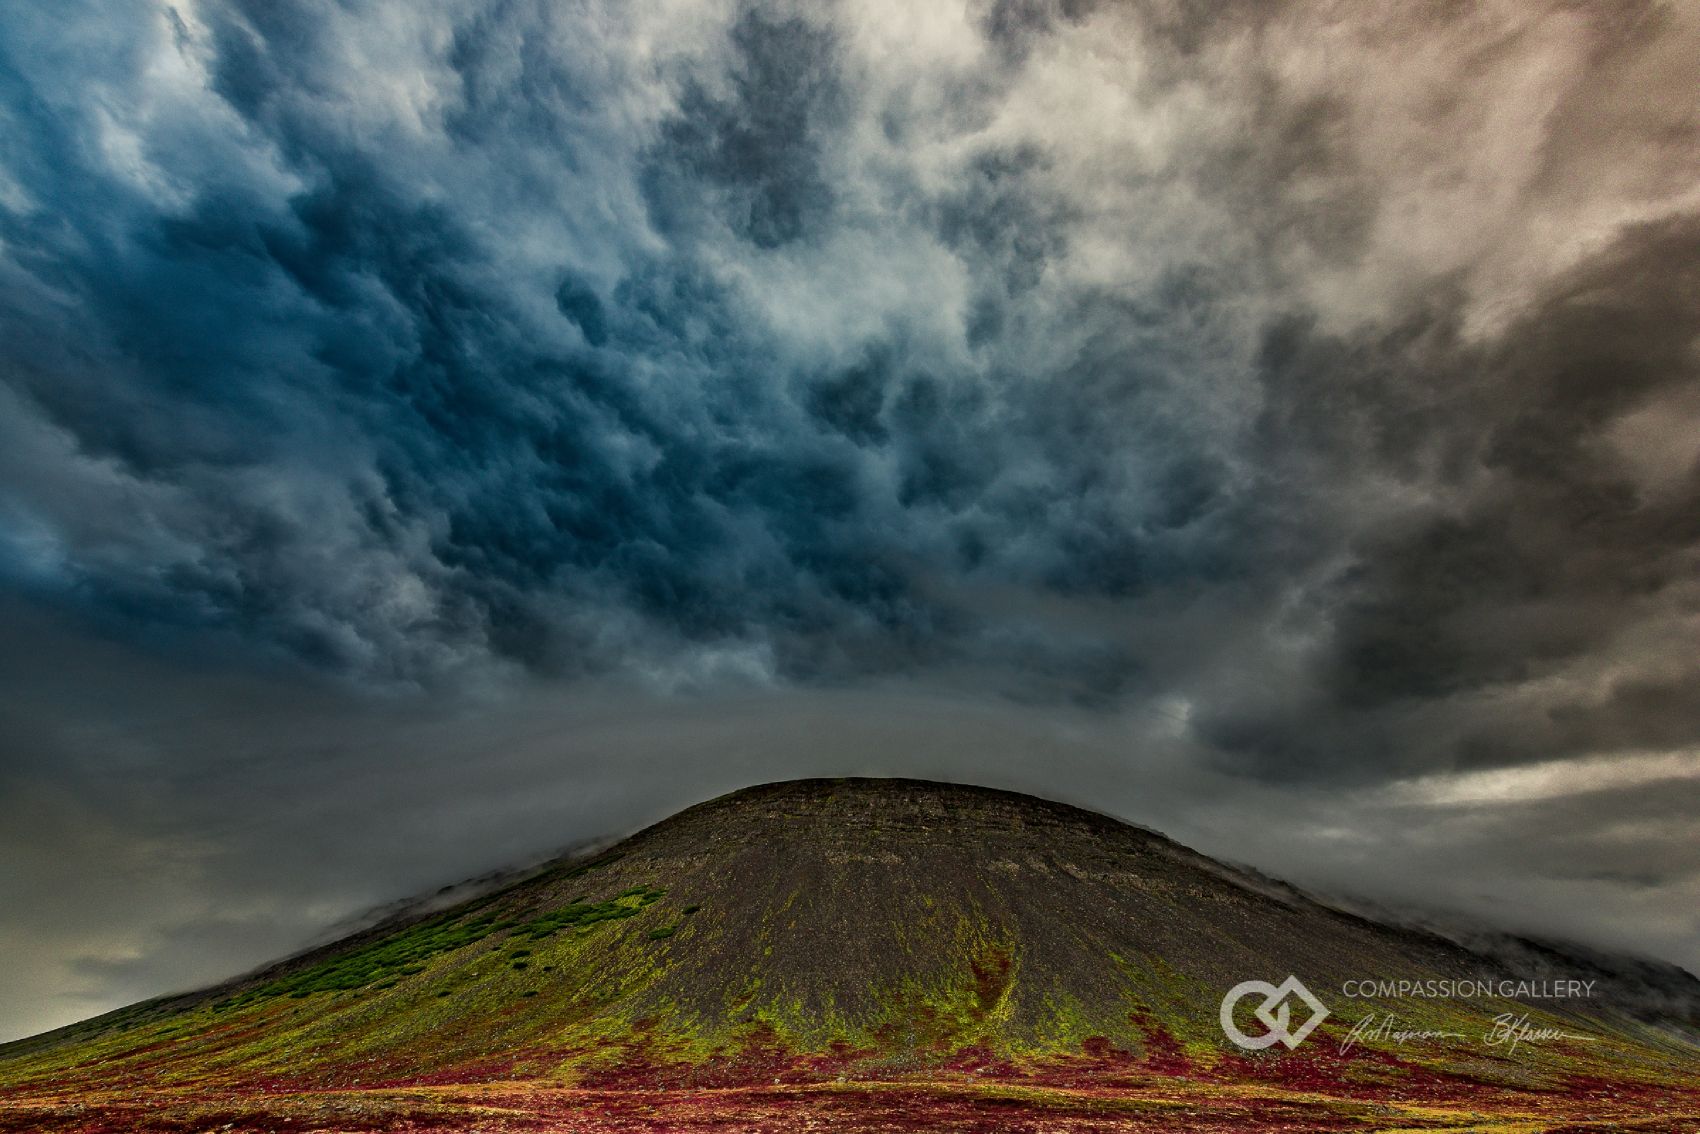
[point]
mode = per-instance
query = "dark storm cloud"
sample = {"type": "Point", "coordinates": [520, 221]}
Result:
{"type": "Point", "coordinates": [636, 476]}
{"type": "Point", "coordinates": [1544, 549]}
{"type": "Point", "coordinates": [755, 152]}
{"type": "Point", "coordinates": [1013, 26]}
{"type": "Point", "coordinates": [1294, 397]}
{"type": "Point", "coordinates": [494, 475]}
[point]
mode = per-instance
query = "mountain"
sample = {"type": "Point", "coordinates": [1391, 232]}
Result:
{"type": "Point", "coordinates": [870, 953]}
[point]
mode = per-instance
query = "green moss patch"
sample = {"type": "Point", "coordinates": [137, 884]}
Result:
{"type": "Point", "coordinates": [583, 914]}
{"type": "Point", "coordinates": [382, 964]}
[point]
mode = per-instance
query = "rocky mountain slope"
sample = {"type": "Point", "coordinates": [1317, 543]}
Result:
{"type": "Point", "coordinates": [843, 931]}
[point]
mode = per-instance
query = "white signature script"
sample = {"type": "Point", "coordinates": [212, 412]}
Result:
{"type": "Point", "coordinates": [1385, 1029]}
{"type": "Point", "coordinates": [1510, 1029]}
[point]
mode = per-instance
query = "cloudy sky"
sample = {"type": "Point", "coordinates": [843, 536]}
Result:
{"type": "Point", "coordinates": [433, 435]}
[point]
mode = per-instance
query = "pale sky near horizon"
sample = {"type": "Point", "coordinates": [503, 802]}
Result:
{"type": "Point", "coordinates": [433, 436]}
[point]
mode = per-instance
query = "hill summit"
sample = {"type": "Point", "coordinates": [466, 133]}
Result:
{"type": "Point", "coordinates": [851, 931]}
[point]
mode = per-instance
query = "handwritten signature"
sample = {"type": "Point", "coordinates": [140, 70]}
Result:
{"type": "Point", "coordinates": [1510, 1029]}
{"type": "Point", "coordinates": [1385, 1029]}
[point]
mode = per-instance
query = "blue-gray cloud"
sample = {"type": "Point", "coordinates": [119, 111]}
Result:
{"type": "Point", "coordinates": [413, 346]}
{"type": "Point", "coordinates": [357, 435]}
